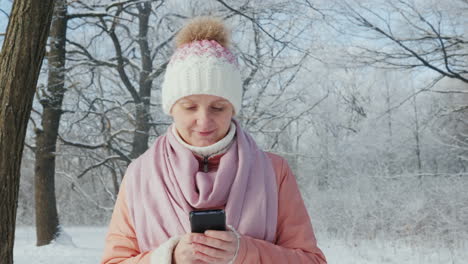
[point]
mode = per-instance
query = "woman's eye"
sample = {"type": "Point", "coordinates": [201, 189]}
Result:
{"type": "Point", "coordinates": [219, 109]}
{"type": "Point", "coordinates": [190, 108]}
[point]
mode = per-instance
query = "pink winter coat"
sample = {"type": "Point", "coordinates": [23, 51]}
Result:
{"type": "Point", "coordinates": [295, 241]}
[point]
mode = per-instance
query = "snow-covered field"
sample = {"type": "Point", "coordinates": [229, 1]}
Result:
{"type": "Point", "coordinates": [86, 244]}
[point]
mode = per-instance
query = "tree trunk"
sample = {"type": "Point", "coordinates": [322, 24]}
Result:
{"type": "Point", "coordinates": [141, 135]}
{"type": "Point", "coordinates": [47, 224]}
{"type": "Point", "coordinates": [20, 63]}
{"type": "Point", "coordinates": [417, 137]}
{"type": "Point", "coordinates": [390, 155]}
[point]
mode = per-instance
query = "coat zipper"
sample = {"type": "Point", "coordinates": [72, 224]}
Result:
{"type": "Point", "coordinates": [205, 164]}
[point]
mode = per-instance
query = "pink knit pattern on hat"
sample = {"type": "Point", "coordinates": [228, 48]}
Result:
{"type": "Point", "coordinates": [204, 48]}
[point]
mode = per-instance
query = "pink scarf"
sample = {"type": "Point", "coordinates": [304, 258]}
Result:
{"type": "Point", "coordinates": [164, 185]}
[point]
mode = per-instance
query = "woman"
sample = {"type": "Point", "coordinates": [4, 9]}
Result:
{"type": "Point", "coordinates": [207, 161]}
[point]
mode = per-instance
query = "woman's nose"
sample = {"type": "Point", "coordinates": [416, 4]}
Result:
{"type": "Point", "coordinates": [204, 118]}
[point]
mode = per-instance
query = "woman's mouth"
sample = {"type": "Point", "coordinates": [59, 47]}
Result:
{"type": "Point", "coordinates": [205, 133]}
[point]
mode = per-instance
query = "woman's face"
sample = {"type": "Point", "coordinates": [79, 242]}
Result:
{"type": "Point", "coordinates": [202, 119]}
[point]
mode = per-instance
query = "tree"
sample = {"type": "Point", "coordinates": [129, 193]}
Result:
{"type": "Point", "coordinates": [141, 94]}
{"type": "Point", "coordinates": [20, 62]}
{"type": "Point", "coordinates": [408, 35]}
{"type": "Point", "coordinates": [426, 38]}
{"type": "Point", "coordinates": [132, 62]}
{"type": "Point", "coordinates": [47, 221]}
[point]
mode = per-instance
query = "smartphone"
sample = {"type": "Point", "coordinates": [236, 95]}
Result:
{"type": "Point", "coordinates": [200, 221]}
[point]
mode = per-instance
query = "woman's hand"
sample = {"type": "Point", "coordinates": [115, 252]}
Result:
{"type": "Point", "coordinates": [215, 246]}
{"type": "Point", "coordinates": [184, 252]}
{"type": "Point", "coordinates": [209, 248]}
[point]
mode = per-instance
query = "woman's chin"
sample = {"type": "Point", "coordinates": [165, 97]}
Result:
{"type": "Point", "coordinates": [203, 142]}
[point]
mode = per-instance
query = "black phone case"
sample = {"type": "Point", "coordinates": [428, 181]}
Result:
{"type": "Point", "coordinates": [201, 221]}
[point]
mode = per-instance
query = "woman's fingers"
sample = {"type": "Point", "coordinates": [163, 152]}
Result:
{"type": "Point", "coordinates": [222, 235]}
{"type": "Point", "coordinates": [214, 246]}
{"type": "Point", "coordinates": [209, 254]}
{"type": "Point", "coordinates": [212, 242]}
{"type": "Point", "coordinates": [185, 252]}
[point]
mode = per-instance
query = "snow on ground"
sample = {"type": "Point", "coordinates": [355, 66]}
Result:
{"type": "Point", "coordinates": [379, 252]}
{"type": "Point", "coordinates": [86, 245]}
{"type": "Point", "coordinates": [87, 249]}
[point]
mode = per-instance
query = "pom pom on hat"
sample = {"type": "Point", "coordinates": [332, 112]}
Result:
{"type": "Point", "coordinates": [202, 64]}
{"type": "Point", "coordinates": [203, 28]}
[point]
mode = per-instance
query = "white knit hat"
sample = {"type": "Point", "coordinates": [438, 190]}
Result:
{"type": "Point", "coordinates": [202, 65]}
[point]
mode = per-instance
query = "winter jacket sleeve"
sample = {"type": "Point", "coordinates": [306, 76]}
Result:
{"type": "Point", "coordinates": [121, 245]}
{"type": "Point", "coordinates": [295, 239]}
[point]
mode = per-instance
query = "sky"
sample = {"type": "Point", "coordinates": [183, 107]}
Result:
{"type": "Point", "coordinates": [5, 8]}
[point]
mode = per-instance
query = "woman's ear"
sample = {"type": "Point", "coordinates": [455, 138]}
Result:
{"type": "Point", "coordinates": [233, 109]}
{"type": "Point", "coordinates": [170, 111]}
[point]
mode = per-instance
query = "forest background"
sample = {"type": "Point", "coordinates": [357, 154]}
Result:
{"type": "Point", "coordinates": [367, 100]}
